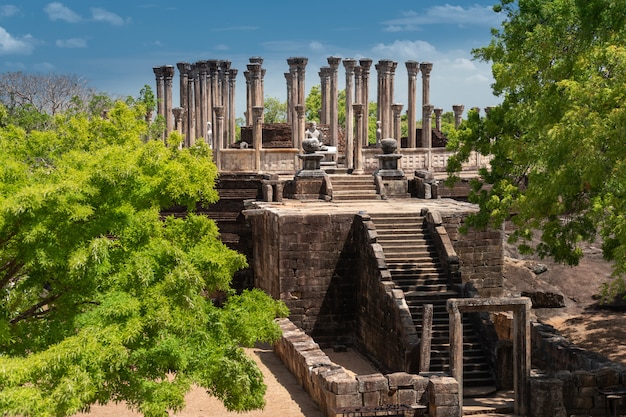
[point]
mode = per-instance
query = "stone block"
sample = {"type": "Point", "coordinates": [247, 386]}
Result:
{"type": "Point", "coordinates": [606, 377]}
{"type": "Point", "coordinates": [344, 386]}
{"type": "Point", "coordinates": [373, 382]}
{"type": "Point", "coordinates": [400, 379]}
{"type": "Point", "coordinates": [349, 400]}
{"type": "Point", "coordinates": [445, 411]}
{"type": "Point", "coordinates": [371, 398]}
{"type": "Point", "coordinates": [585, 403]}
{"type": "Point", "coordinates": [442, 398]}
{"type": "Point", "coordinates": [408, 396]}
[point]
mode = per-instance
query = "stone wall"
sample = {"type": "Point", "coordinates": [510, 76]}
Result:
{"type": "Point", "coordinates": [567, 380]}
{"type": "Point", "coordinates": [307, 261]}
{"type": "Point", "coordinates": [385, 329]}
{"type": "Point", "coordinates": [481, 255]}
{"type": "Point", "coordinates": [333, 388]}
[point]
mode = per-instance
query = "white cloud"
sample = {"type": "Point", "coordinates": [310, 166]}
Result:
{"type": "Point", "coordinates": [57, 11]}
{"type": "Point", "coordinates": [316, 46]}
{"type": "Point", "coordinates": [445, 14]}
{"type": "Point", "coordinates": [102, 15]}
{"type": "Point", "coordinates": [408, 50]}
{"type": "Point", "coordinates": [221, 47]}
{"type": "Point", "coordinates": [10, 45]}
{"type": "Point", "coordinates": [463, 64]}
{"type": "Point", "coordinates": [8, 10]}
{"type": "Point", "coordinates": [71, 43]}
{"type": "Point", "coordinates": [44, 67]}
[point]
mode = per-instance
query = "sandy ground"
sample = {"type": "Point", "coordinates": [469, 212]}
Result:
{"type": "Point", "coordinates": [284, 396]}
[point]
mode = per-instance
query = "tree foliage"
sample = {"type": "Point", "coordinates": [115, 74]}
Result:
{"type": "Point", "coordinates": [275, 111]}
{"type": "Point", "coordinates": [101, 297]}
{"type": "Point", "coordinates": [557, 139]}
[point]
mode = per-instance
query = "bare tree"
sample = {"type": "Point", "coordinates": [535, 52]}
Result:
{"type": "Point", "coordinates": [47, 93]}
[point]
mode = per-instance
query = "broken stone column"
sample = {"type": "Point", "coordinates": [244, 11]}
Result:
{"type": "Point", "coordinates": [218, 134]}
{"type": "Point", "coordinates": [183, 74]}
{"type": "Point", "coordinates": [167, 106]}
{"type": "Point", "coordinates": [178, 113]}
{"type": "Point", "coordinates": [159, 74]}
{"type": "Point", "coordinates": [438, 112]}
{"type": "Point", "coordinates": [300, 125]}
{"type": "Point", "coordinates": [458, 114]}
{"type": "Point", "coordinates": [396, 109]}
{"type": "Point", "coordinates": [205, 94]}
{"type": "Point", "coordinates": [333, 120]}
{"type": "Point", "coordinates": [349, 65]}
{"type": "Point", "coordinates": [427, 133]}
{"type": "Point", "coordinates": [426, 68]}
{"type": "Point", "coordinates": [289, 83]}
{"type": "Point", "coordinates": [412, 68]}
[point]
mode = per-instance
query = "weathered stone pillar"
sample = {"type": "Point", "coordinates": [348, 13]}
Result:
{"type": "Point", "coordinates": [297, 67]}
{"type": "Point", "coordinates": [412, 68]}
{"type": "Point", "coordinates": [384, 105]}
{"type": "Point", "coordinates": [183, 76]}
{"type": "Point", "coordinates": [248, 115]}
{"type": "Point", "coordinates": [178, 113]}
{"type": "Point", "coordinates": [224, 67]}
{"type": "Point", "coordinates": [333, 62]}
{"type": "Point", "coordinates": [232, 109]}
{"type": "Point", "coordinates": [426, 68]}
{"type": "Point", "coordinates": [396, 109]}
{"type": "Point", "coordinates": [255, 71]}
{"type": "Point", "coordinates": [438, 112]}
{"type": "Point", "coordinates": [301, 125]}
{"type": "Point", "coordinates": [289, 82]}
{"type": "Point", "coordinates": [349, 65]}
{"type": "Point", "coordinates": [324, 74]}
{"type": "Point", "coordinates": [358, 153]}
{"type": "Point", "coordinates": [218, 134]}
{"type": "Point", "coordinates": [257, 135]}
{"type": "Point", "coordinates": [213, 91]}
{"type": "Point", "coordinates": [365, 63]}
{"type": "Point", "coordinates": [205, 95]}
{"type": "Point", "coordinates": [427, 132]}
{"type": "Point", "coordinates": [458, 114]}
{"type": "Point", "coordinates": [159, 73]}
{"type": "Point", "coordinates": [168, 72]}
{"type": "Point", "coordinates": [197, 129]}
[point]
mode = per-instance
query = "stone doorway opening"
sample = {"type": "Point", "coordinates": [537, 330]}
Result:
{"type": "Point", "coordinates": [521, 341]}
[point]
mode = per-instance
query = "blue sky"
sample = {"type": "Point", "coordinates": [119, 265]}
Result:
{"type": "Point", "coordinates": [115, 44]}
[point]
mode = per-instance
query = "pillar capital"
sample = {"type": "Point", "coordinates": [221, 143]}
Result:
{"type": "Point", "coordinates": [224, 66]}
{"type": "Point", "coordinates": [257, 111]}
{"type": "Point", "coordinates": [438, 111]}
{"type": "Point", "coordinates": [299, 109]}
{"type": "Point", "coordinates": [232, 73]}
{"type": "Point", "coordinates": [334, 61]}
{"type": "Point", "coordinates": [219, 111]}
{"type": "Point", "coordinates": [428, 109]}
{"type": "Point", "coordinates": [349, 64]}
{"type": "Point", "coordinates": [458, 108]}
{"type": "Point", "coordinates": [297, 61]}
{"type": "Point", "coordinates": [397, 108]}
{"type": "Point", "coordinates": [178, 112]}
{"type": "Point", "coordinates": [426, 68]}
{"type": "Point", "coordinates": [358, 108]}
{"type": "Point", "coordinates": [325, 72]}
{"type": "Point", "coordinates": [256, 60]}
{"type": "Point", "coordinates": [184, 68]}
{"type": "Point", "coordinates": [158, 71]}
{"type": "Point", "coordinates": [365, 64]}
{"type": "Point", "coordinates": [168, 72]}
{"type": "Point", "coordinates": [412, 67]}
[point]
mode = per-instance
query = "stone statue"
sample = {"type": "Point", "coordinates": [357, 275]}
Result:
{"type": "Point", "coordinates": [313, 133]}
{"type": "Point", "coordinates": [209, 135]}
{"type": "Point", "coordinates": [379, 132]}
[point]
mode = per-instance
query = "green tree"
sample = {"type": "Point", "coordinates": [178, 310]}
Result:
{"type": "Point", "coordinates": [313, 104]}
{"type": "Point", "coordinates": [101, 297]}
{"type": "Point", "coordinates": [275, 111]}
{"type": "Point", "coordinates": [557, 139]}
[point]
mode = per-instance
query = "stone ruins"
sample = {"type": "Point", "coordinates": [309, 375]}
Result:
{"type": "Point", "coordinates": [363, 243]}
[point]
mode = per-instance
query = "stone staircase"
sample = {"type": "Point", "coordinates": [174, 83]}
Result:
{"type": "Point", "coordinates": [415, 268]}
{"type": "Point", "coordinates": [353, 187]}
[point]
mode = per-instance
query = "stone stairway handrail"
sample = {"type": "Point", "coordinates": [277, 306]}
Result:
{"type": "Point", "coordinates": [447, 255]}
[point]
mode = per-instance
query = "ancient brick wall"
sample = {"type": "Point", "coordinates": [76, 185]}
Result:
{"type": "Point", "coordinates": [481, 255]}
{"type": "Point", "coordinates": [332, 388]}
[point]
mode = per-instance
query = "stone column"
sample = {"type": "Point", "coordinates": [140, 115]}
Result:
{"type": "Point", "coordinates": [297, 66]}
{"type": "Point", "coordinates": [225, 97]}
{"type": "Point", "coordinates": [248, 114]}
{"type": "Point", "coordinates": [458, 114]}
{"type": "Point", "coordinates": [218, 134]}
{"type": "Point", "coordinates": [300, 127]}
{"type": "Point", "coordinates": [438, 113]}
{"type": "Point", "coordinates": [365, 63]}
{"type": "Point", "coordinates": [333, 62]}
{"type": "Point", "coordinates": [159, 73]}
{"type": "Point", "coordinates": [426, 68]}
{"type": "Point", "coordinates": [197, 88]}
{"type": "Point", "coordinates": [288, 80]}
{"type": "Point", "coordinates": [178, 113]}
{"type": "Point", "coordinates": [232, 110]}
{"type": "Point", "coordinates": [205, 95]}
{"type": "Point", "coordinates": [213, 97]}
{"type": "Point", "coordinates": [257, 135]}
{"type": "Point", "coordinates": [396, 109]}
{"type": "Point", "coordinates": [384, 68]}
{"type": "Point", "coordinates": [183, 75]}
{"type": "Point", "coordinates": [412, 68]}
{"type": "Point", "coordinates": [349, 65]}
{"type": "Point", "coordinates": [254, 70]}
{"type": "Point", "coordinates": [358, 152]}
{"type": "Point", "coordinates": [427, 132]}
{"type": "Point", "coordinates": [325, 94]}
{"type": "Point", "coordinates": [168, 73]}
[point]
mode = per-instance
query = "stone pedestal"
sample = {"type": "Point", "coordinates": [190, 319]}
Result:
{"type": "Point", "coordinates": [390, 177]}
{"type": "Point", "coordinates": [311, 165]}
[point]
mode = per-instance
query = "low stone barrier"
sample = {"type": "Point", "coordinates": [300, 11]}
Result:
{"type": "Point", "coordinates": [336, 391]}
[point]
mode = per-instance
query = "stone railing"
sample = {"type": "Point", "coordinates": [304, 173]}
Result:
{"type": "Point", "coordinates": [337, 392]}
{"type": "Point", "coordinates": [447, 255]}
